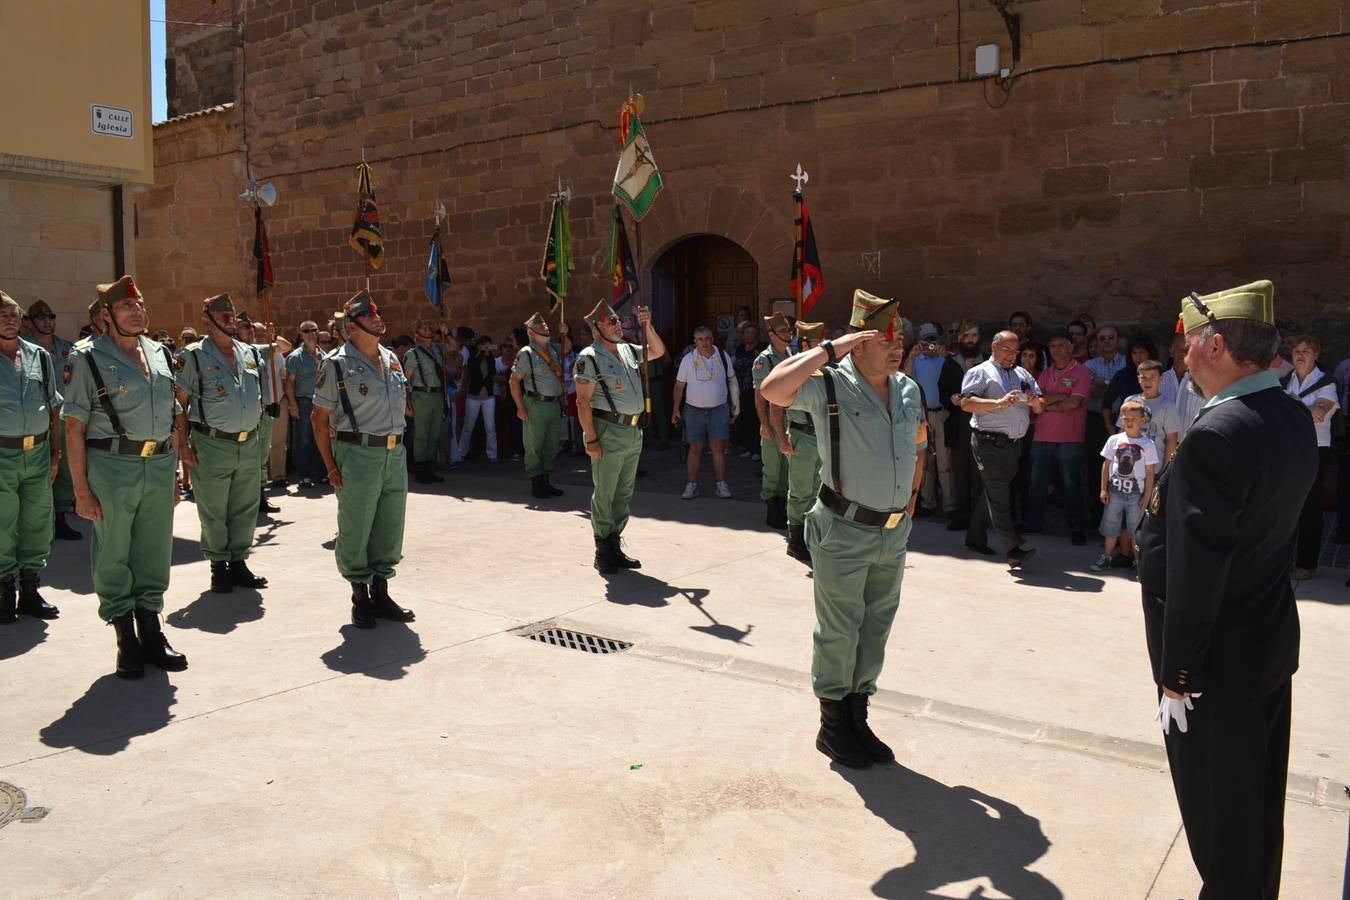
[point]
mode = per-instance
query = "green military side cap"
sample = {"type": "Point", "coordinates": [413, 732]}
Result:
{"type": "Point", "coordinates": [536, 321]}
{"type": "Point", "coordinates": [39, 308]}
{"type": "Point", "coordinates": [244, 319]}
{"type": "Point", "coordinates": [220, 303]}
{"type": "Point", "coordinates": [94, 308]}
{"type": "Point", "coordinates": [811, 331]}
{"type": "Point", "coordinates": [7, 300]}
{"type": "Point", "coordinates": [602, 311]}
{"type": "Point", "coordinates": [777, 321]}
{"type": "Point", "coordinates": [1255, 301]}
{"type": "Point", "coordinates": [360, 305]}
{"type": "Point", "coordinates": [123, 288]}
{"type": "Point", "coordinates": [872, 312]}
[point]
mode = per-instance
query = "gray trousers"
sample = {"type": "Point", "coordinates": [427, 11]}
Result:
{"type": "Point", "coordinates": [997, 460]}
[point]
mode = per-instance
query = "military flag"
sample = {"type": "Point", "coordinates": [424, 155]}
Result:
{"type": "Point", "coordinates": [262, 254]}
{"type": "Point", "coordinates": [556, 269]}
{"type": "Point", "coordinates": [438, 273]}
{"type": "Point", "coordinates": [619, 262]}
{"type": "Point", "coordinates": [637, 181]}
{"type": "Point", "coordinates": [808, 282]}
{"type": "Point", "coordinates": [366, 237]}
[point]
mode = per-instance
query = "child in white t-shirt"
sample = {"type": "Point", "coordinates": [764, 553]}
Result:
{"type": "Point", "coordinates": [1129, 463]}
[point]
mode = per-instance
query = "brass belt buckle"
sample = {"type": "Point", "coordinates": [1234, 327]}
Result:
{"type": "Point", "coordinates": [29, 441]}
{"type": "Point", "coordinates": [148, 449]}
{"type": "Point", "coordinates": [894, 519]}
{"type": "Point", "coordinates": [390, 441]}
{"type": "Point", "coordinates": [243, 437]}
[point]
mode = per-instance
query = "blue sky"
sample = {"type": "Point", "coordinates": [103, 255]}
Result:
{"type": "Point", "coordinates": [159, 104]}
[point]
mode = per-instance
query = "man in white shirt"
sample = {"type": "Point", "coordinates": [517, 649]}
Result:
{"type": "Point", "coordinates": [707, 383]}
{"type": "Point", "coordinates": [1171, 378]}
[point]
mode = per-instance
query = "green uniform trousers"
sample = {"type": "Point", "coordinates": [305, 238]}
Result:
{"type": "Point", "coordinates": [857, 570]}
{"type": "Point", "coordinates": [428, 420]}
{"type": "Point", "coordinates": [133, 544]}
{"type": "Point", "coordinates": [614, 475]}
{"type": "Point", "coordinates": [773, 480]}
{"type": "Point", "coordinates": [63, 490]}
{"type": "Point", "coordinates": [225, 486]}
{"type": "Point", "coordinates": [264, 446]}
{"type": "Point", "coordinates": [541, 435]}
{"type": "Point", "coordinates": [370, 510]}
{"type": "Point", "coordinates": [25, 508]}
{"type": "Point", "coordinates": [803, 475]}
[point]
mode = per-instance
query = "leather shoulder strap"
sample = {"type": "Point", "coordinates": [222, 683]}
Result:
{"type": "Point", "coordinates": [343, 398]}
{"type": "Point", "coordinates": [101, 394]}
{"type": "Point", "coordinates": [832, 411]}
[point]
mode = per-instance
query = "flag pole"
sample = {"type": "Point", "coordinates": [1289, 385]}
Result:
{"type": "Point", "coordinates": [800, 177]}
{"type": "Point", "coordinates": [265, 297]}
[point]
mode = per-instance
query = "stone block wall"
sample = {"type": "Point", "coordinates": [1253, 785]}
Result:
{"type": "Point", "coordinates": [201, 49]}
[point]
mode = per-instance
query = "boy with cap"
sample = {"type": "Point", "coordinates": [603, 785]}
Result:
{"type": "Point", "coordinates": [219, 383]}
{"type": "Point", "coordinates": [537, 387]}
{"type": "Point", "coordinates": [1215, 553]}
{"type": "Point", "coordinates": [29, 400]}
{"type": "Point", "coordinates": [42, 324]}
{"type": "Point", "coordinates": [611, 410]}
{"type": "Point", "coordinates": [797, 443]}
{"type": "Point", "coordinates": [869, 419]}
{"type": "Point", "coordinates": [123, 425]}
{"type": "Point", "coordinates": [773, 485]}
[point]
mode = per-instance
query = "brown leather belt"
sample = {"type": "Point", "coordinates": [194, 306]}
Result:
{"type": "Point", "coordinates": [629, 421]}
{"type": "Point", "coordinates": [129, 447]}
{"type": "Point", "coordinates": [839, 505]}
{"type": "Point", "coordinates": [388, 441]}
{"type": "Point", "coordinates": [24, 442]}
{"type": "Point", "coordinates": [234, 437]}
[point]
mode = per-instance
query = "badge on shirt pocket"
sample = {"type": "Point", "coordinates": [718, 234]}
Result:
{"type": "Point", "coordinates": [363, 388]}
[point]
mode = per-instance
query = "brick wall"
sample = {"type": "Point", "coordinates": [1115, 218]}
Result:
{"type": "Point", "coordinates": [201, 55]}
{"type": "Point", "coordinates": [1146, 147]}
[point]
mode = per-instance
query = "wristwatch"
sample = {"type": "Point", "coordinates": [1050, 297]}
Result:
{"type": "Point", "coordinates": [830, 356]}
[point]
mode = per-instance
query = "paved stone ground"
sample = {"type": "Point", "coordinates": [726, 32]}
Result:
{"type": "Point", "coordinates": [298, 757]}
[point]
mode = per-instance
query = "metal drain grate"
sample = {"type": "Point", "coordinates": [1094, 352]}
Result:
{"type": "Point", "coordinates": [576, 640]}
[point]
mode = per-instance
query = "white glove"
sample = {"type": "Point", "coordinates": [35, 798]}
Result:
{"type": "Point", "coordinates": [1170, 709]}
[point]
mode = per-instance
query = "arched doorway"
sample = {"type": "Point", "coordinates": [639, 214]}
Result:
{"type": "Point", "coordinates": [702, 280]}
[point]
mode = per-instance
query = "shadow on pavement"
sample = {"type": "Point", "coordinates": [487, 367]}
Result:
{"type": "Point", "coordinates": [219, 613]}
{"type": "Point", "coordinates": [632, 588]}
{"type": "Point", "coordinates": [68, 568]}
{"type": "Point", "coordinates": [1059, 581]}
{"type": "Point", "coordinates": [19, 637]}
{"type": "Point", "coordinates": [716, 628]}
{"type": "Point", "coordinates": [385, 652]}
{"type": "Point", "coordinates": [113, 711]}
{"type": "Point", "coordinates": [959, 835]}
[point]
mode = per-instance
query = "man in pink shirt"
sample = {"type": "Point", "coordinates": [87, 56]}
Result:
{"type": "Point", "coordinates": [1065, 386]}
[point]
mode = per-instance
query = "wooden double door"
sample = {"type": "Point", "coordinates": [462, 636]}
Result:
{"type": "Point", "coordinates": [702, 280]}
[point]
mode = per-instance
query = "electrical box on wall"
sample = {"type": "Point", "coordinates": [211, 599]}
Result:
{"type": "Point", "coordinates": [986, 59]}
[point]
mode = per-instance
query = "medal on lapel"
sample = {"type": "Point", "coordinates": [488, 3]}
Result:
{"type": "Point", "coordinates": [121, 390]}
{"type": "Point", "coordinates": [363, 388]}
{"type": "Point", "coordinates": [220, 390]}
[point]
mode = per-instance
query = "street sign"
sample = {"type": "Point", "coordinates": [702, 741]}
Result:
{"type": "Point", "coordinates": [110, 120]}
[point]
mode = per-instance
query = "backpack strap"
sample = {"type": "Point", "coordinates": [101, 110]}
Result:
{"type": "Point", "coordinates": [101, 394]}
{"type": "Point", "coordinates": [832, 411]}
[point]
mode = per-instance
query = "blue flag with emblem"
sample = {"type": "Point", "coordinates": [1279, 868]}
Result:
{"type": "Point", "coordinates": [438, 273]}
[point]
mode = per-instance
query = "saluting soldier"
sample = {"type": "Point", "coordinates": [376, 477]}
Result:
{"type": "Point", "coordinates": [42, 322]}
{"type": "Point", "coordinates": [1215, 551]}
{"type": "Point", "coordinates": [361, 391]}
{"type": "Point", "coordinates": [796, 435]}
{"type": "Point", "coordinates": [424, 364]}
{"type": "Point", "coordinates": [29, 401]}
{"type": "Point", "coordinates": [870, 417]}
{"type": "Point", "coordinates": [611, 412]}
{"type": "Point", "coordinates": [774, 473]}
{"type": "Point", "coordinates": [537, 387]}
{"type": "Point", "coordinates": [220, 386]}
{"type": "Point", "coordinates": [123, 425]}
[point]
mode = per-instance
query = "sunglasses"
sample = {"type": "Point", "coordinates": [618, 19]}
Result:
{"type": "Point", "coordinates": [309, 331]}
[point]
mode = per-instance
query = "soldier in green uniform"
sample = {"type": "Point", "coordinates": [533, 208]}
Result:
{"type": "Point", "coordinates": [425, 365]}
{"type": "Point", "coordinates": [220, 386]}
{"type": "Point", "coordinates": [96, 325]}
{"type": "Point", "coordinates": [28, 462]}
{"type": "Point", "coordinates": [870, 420]}
{"type": "Point", "coordinates": [42, 322]}
{"type": "Point", "coordinates": [797, 443]}
{"type": "Point", "coordinates": [611, 413]}
{"type": "Point", "coordinates": [537, 387]}
{"type": "Point", "coordinates": [249, 332]}
{"type": "Point", "coordinates": [773, 486]}
{"type": "Point", "coordinates": [123, 425]}
{"type": "Point", "coordinates": [361, 391]}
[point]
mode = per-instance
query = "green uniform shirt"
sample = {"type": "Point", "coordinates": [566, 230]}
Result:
{"type": "Point", "coordinates": [378, 399]}
{"type": "Point", "coordinates": [145, 407]}
{"type": "Point", "coordinates": [877, 444]}
{"type": "Point", "coordinates": [421, 363]}
{"type": "Point", "coordinates": [25, 402]}
{"type": "Point", "coordinates": [763, 365]}
{"type": "Point", "coordinates": [305, 367]}
{"type": "Point", "coordinates": [622, 374]}
{"type": "Point", "coordinates": [229, 398]}
{"type": "Point", "coordinates": [535, 373]}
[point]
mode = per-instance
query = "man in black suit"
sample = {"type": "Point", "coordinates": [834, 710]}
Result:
{"type": "Point", "coordinates": [1215, 551]}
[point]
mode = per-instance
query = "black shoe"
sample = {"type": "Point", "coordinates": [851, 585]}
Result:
{"type": "Point", "coordinates": [384, 605]}
{"type": "Point", "coordinates": [775, 515]}
{"type": "Point", "coordinates": [621, 559]}
{"type": "Point", "coordinates": [796, 543]}
{"type": "Point", "coordinates": [221, 582]}
{"type": "Point", "coordinates": [30, 601]}
{"type": "Point", "coordinates": [241, 576]}
{"type": "Point", "coordinates": [155, 647]}
{"type": "Point", "coordinates": [604, 560]}
{"type": "Point", "coordinates": [1078, 539]}
{"type": "Point", "coordinates": [873, 746]}
{"type": "Point", "coordinates": [1017, 556]}
{"type": "Point", "coordinates": [130, 663]}
{"type": "Point", "coordinates": [9, 608]}
{"type": "Point", "coordinates": [63, 530]}
{"type": "Point", "coordinates": [982, 549]}
{"type": "Point", "coordinates": [958, 524]}
{"type": "Point", "coordinates": [836, 738]}
{"type": "Point", "coordinates": [264, 504]}
{"type": "Point", "coordinates": [363, 611]}
{"type": "Point", "coordinates": [552, 491]}
{"type": "Point", "coordinates": [305, 484]}
{"type": "Point", "coordinates": [538, 488]}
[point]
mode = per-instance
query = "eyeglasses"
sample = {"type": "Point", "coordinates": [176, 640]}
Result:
{"type": "Point", "coordinates": [309, 331]}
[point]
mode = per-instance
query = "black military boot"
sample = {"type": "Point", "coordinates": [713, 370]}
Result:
{"type": "Point", "coordinates": [130, 663]}
{"type": "Point", "coordinates": [264, 504]}
{"type": "Point", "coordinates": [221, 583]}
{"type": "Point", "coordinates": [433, 477]}
{"type": "Point", "coordinates": [30, 601]}
{"type": "Point", "coordinates": [385, 607]}
{"type": "Point", "coordinates": [539, 488]}
{"type": "Point", "coordinates": [604, 558]}
{"type": "Point", "coordinates": [548, 486]}
{"type": "Point", "coordinates": [621, 559]}
{"type": "Point", "coordinates": [776, 513]}
{"type": "Point", "coordinates": [63, 530]}
{"type": "Point", "coordinates": [155, 647]}
{"type": "Point", "coordinates": [241, 576]}
{"type": "Point", "coordinates": [363, 611]}
{"type": "Point", "coordinates": [836, 738]}
{"type": "Point", "coordinates": [9, 610]}
{"type": "Point", "coordinates": [796, 542]}
{"type": "Point", "coordinates": [871, 744]}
